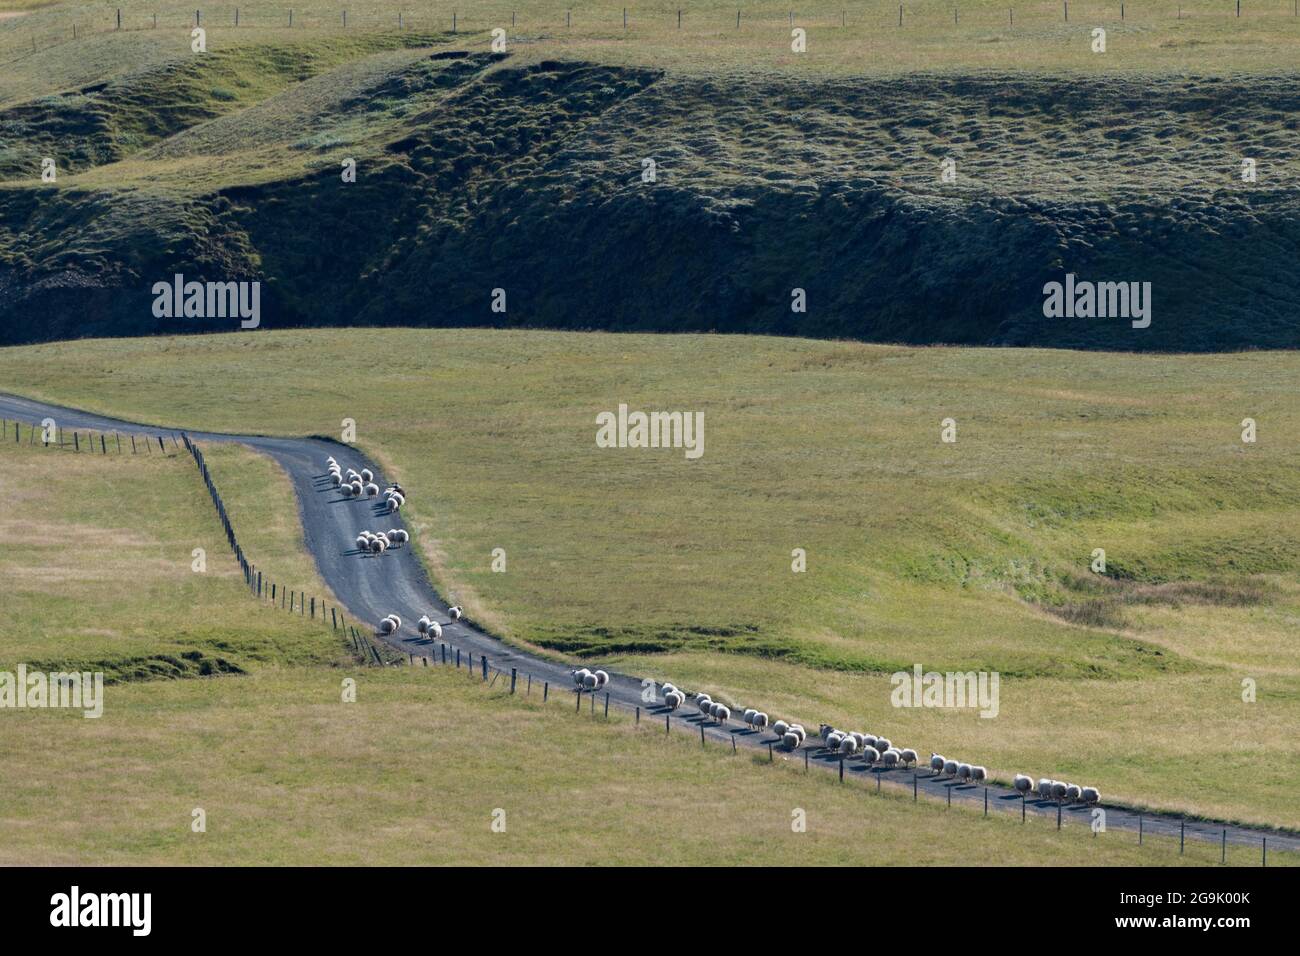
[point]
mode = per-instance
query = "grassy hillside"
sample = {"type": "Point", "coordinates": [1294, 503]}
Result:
{"type": "Point", "coordinates": [973, 555]}
{"type": "Point", "coordinates": [775, 171]}
{"type": "Point", "coordinates": [289, 774]}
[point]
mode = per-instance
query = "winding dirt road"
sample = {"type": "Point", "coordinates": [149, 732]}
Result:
{"type": "Point", "coordinates": [396, 582]}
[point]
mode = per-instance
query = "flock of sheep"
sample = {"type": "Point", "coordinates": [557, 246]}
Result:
{"type": "Point", "coordinates": [379, 542]}
{"type": "Point", "coordinates": [1056, 790]}
{"type": "Point", "coordinates": [361, 484]}
{"type": "Point", "coordinates": [852, 744]}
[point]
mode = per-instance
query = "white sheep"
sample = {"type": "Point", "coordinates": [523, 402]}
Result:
{"type": "Point", "coordinates": [704, 702]}
{"type": "Point", "coordinates": [825, 731]}
{"type": "Point", "coordinates": [353, 474]}
{"type": "Point", "coordinates": [950, 768]}
{"type": "Point", "coordinates": [580, 675]}
{"type": "Point", "coordinates": [347, 490]}
{"type": "Point", "coordinates": [394, 505]}
{"type": "Point", "coordinates": [749, 715]}
{"type": "Point", "coordinates": [601, 679]}
{"type": "Point", "coordinates": [667, 688]}
{"type": "Point", "coordinates": [760, 720]}
{"type": "Point", "coordinates": [798, 729]}
{"type": "Point", "coordinates": [937, 762]}
{"type": "Point", "coordinates": [422, 625]}
{"type": "Point", "coordinates": [858, 738]}
{"type": "Point", "coordinates": [589, 682]}
{"type": "Point", "coordinates": [397, 537]}
{"type": "Point", "coordinates": [455, 613]}
{"type": "Point", "coordinates": [396, 620]}
{"type": "Point", "coordinates": [357, 488]}
{"type": "Point", "coordinates": [790, 740]}
{"type": "Point", "coordinates": [848, 746]}
{"type": "Point", "coordinates": [337, 480]}
{"type": "Point", "coordinates": [978, 774]}
{"type": "Point", "coordinates": [882, 744]}
{"type": "Point", "coordinates": [1058, 790]}
{"type": "Point", "coordinates": [908, 756]}
{"type": "Point", "coordinates": [1024, 784]}
{"type": "Point", "coordinates": [723, 714]}
{"type": "Point", "coordinates": [372, 490]}
{"type": "Point", "coordinates": [890, 758]}
{"type": "Point", "coordinates": [1044, 788]}
{"type": "Point", "coordinates": [673, 699]}
{"type": "Point", "coordinates": [1073, 792]}
{"type": "Point", "coordinates": [870, 754]}
{"type": "Point", "coordinates": [868, 740]}
{"type": "Point", "coordinates": [435, 630]}
{"type": "Point", "coordinates": [834, 739]}
{"type": "Point", "coordinates": [1090, 795]}
{"type": "Point", "coordinates": [363, 543]}
{"type": "Point", "coordinates": [387, 626]}
{"type": "Point", "coordinates": [780, 727]}
{"type": "Point", "coordinates": [367, 475]}
{"type": "Point", "coordinates": [963, 771]}
{"type": "Point", "coordinates": [376, 546]}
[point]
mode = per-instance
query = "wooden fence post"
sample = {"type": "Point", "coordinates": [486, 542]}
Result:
{"type": "Point", "coordinates": [546, 690]}
{"type": "Point", "coordinates": [513, 675]}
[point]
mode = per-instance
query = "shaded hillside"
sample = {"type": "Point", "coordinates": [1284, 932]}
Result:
{"type": "Point", "coordinates": [475, 175]}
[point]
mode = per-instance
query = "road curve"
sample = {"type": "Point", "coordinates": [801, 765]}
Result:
{"type": "Point", "coordinates": [371, 587]}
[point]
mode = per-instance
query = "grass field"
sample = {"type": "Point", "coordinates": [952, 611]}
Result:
{"type": "Point", "coordinates": [287, 773]}
{"type": "Point", "coordinates": [973, 555]}
{"type": "Point", "coordinates": [101, 575]}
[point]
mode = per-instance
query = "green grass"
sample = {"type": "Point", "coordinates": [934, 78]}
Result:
{"type": "Point", "coordinates": [966, 556]}
{"type": "Point", "coordinates": [105, 575]}
{"type": "Point", "coordinates": [287, 774]}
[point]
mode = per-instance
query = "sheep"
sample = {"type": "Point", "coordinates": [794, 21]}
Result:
{"type": "Point", "coordinates": [723, 714]}
{"type": "Point", "coordinates": [331, 460]}
{"type": "Point", "coordinates": [714, 707]}
{"type": "Point", "coordinates": [950, 768]}
{"type": "Point", "coordinates": [394, 505]}
{"type": "Point", "coordinates": [858, 738]}
{"type": "Point", "coordinates": [367, 475]}
{"type": "Point", "coordinates": [422, 625]}
{"type": "Point", "coordinates": [1058, 790]}
{"type": "Point", "coordinates": [882, 744]}
{"type": "Point", "coordinates": [376, 546]}
{"type": "Point", "coordinates": [868, 740]}
{"type": "Point", "coordinates": [780, 728]}
{"type": "Point", "coordinates": [790, 740]}
{"type": "Point", "coordinates": [825, 730]}
{"type": "Point", "coordinates": [674, 699]}
{"type": "Point", "coordinates": [589, 682]}
{"type": "Point", "coordinates": [1073, 792]}
{"type": "Point", "coordinates": [848, 746]}
{"type": "Point", "coordinates": [833, 740]}
{"type": "Point", "coordinates": [435, 630]}
{"type": "Point", "coordinates": [936, 763]}
{"type": "Point", "coordinates": [908, 756]}
{"type": "Point", "coordinates": [963, 772]}
{"type": "Point", "coordinates": [387, 626]}
{"type": "Point", "coordinates": [455, 613]}
{"type": "Point", "coordinates": [1090, 795]}
{"type": "Point", "coordinates": [890, 758]}
{"type": "Point", "coordinates": [749, 715]}
{"type": "Point", "coordinates": [978, 774]}
{"type": "Point", "coordinates": [353, 474]}
{"type": "Point", "coordinates": [870, 754]}
{"type": "Point", "coordinates": [363, 543]}
{"type": "Point", "coordinates": [1044, 789]}
{"type": "Point", "coordinates": [580, 675]}
{"type": "Point", "coordinates": [668, 688]}
{"type": "Point", "coordinates": [704, 702]}
{"type": "Point", "coordinates": [760, 720]}
{"type": "Point", "coordinates": [601, 679]}
{"type": "Point", "coordinates": [1024, 784]}
{"type": "Point", "coordinates": [337, 480]}
{"type": "Point", "coordinates": [396, 620]}
{"type": "Point", "coordinates": [798, 729]}
{"type": "Point", "coordinates": [347, 491]}
{"type": "Point", "coordinates": [357, 488]}
{"type": "Point", "coordinates": [372, 490]}
{"type": "Point", "coordinates": [397, 537]}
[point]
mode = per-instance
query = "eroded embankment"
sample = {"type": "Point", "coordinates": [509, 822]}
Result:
{"type": "Point", "coordinates": [477, 175]}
